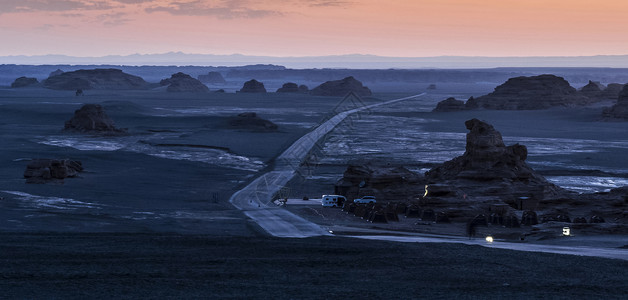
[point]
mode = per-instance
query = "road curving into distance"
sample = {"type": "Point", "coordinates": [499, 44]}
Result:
{"type": "Point", "coordinates": [255, 199]}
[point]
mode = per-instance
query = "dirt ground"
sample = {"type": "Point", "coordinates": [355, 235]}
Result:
{"type": "Point", "coordinates": [96, 266]}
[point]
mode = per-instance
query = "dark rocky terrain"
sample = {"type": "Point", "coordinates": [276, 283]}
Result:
{"type": "Point", "coordinates": [24, 82]}
{"type": "Point", "coordinates": [51, 170]}
{"type": "Point", "coordinates": [91, 118]}
{"type": "Point", "coordinates": [620, 109]}
{"type": "Point", "coordinates": [612, 90]}
{"type": "Point", "coordinates": [527, 93]}
{"type": "Point", "coordinates": [212, 78]}
{"type": "Point", "coordinates": [250, 120]}
{"type": "Point", "coordinates": [99, 79]}
{"type": "Point", "coordinates": [340, 88]}
{"type": "Point", "coordinates": [101, 266]}
{"type": "Point", "coordinates": [381, 181]}
{"type": "Point", "coordinates": [180, 82]}
{"type": "Point", "coordinates": [253, 86]}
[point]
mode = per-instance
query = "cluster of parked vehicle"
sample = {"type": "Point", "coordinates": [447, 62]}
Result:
{"type": "Point", "coordinates": [339, 201]}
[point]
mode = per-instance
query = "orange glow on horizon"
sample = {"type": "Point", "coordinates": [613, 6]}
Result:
{"type": "Point", "coordinates": [309, 28]}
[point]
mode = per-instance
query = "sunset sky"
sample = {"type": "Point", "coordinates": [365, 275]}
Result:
{"type": "Point", "coordinates": [414, 28]}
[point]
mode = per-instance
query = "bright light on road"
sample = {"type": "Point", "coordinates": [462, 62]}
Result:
{"type": "Point", "coordinates": [489, 239]}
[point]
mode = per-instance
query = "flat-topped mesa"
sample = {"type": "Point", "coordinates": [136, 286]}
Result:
{"type": "Point", "coordinates": [91, 118]}
{"type": "Point", "coordinates": [450, 104]}
{"type": "Point", "coordinates": [99, 79]}
{"type": "Point", "coordinates": [212, 78]}
{"type": "Point", "coordinates": [251, 121]}
{"type": "Point", "coordinates": [340, 88]}
{"type": "Point", "coordinates": [488, 167]}
{"type": "Point", "coordinates": [180, 82]}
{"type": "Point", "coordinates": [620, 109]}
{"type": "Point", "coordinates": [253, 86]}
{"type": "Point", "coordinates": [24, 82]}
{"type": "Point", "coordinates": [530, 93]}
{"type": "Point", "coordinates": [291, 87]}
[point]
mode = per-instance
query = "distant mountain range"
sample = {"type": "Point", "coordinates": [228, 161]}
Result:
{"type": "Point", "coordinates": [353, 61]}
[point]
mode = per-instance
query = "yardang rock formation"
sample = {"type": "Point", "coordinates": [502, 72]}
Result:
{"type": "Point", "coordinates": [180, 82]}
{"type": "Point", "coordinates": [340, 88]}
{"type": "Point", "coordinates": [99, 79]}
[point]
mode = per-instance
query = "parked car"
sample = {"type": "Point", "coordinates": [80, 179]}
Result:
{"type": "Point", "coordinates": [333, 200]}
{"type": "Point", "coordinates": [365, 199]}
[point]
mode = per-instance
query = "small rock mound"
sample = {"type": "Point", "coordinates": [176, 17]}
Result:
{"type": "Point", "coordinates": [24, 82]}
{"type": "Point", "coordinates": [47, 170]}
{"type": "Point", "coordinates": [530, 93]}
{"type": "Point", "coordinates": [181, 82]}
{"type": "Point", "coordinates": [56, 72]}
{"type": "Point", "coordinates": [291, 87]}
{"type": "Point", "coordinates": [612, 90]}
{"type": "Point", "coordinates": [93, 119]}
{"type": "Point", "coordinates": [620, 109]}
{"type": "Point", "coordinates": [340, 88]}
{"type": "Point", "coordinates": [250, 120]}
{"type": "Point", "coordinates": [100, 79]}
{"type": "Point", "coordinates": [212, 78]}
{"type": "Point", "coordinates": [450, 104]}
{"type": "Point", "coordinates": [253, 86]}
{"type": "Point", "coordinates": [593, 89]}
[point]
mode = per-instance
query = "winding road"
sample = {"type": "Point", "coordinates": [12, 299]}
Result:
{"type": "Point", "coordinates": [255, 200]}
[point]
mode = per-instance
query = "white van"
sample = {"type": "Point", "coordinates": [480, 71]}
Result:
{"type": "Point", "coordinates": [333, 200]}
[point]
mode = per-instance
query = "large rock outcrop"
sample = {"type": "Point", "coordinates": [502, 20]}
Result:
{"type": "Point", "coordinates": [384, 182]}
{"type": "Point", "coordinates": [251, 121]}
{"type": "Point", "coordinates": [529, 93]}
{"type": "Point", "coordinates": [450, 104]}
{"type": "Point", "coordinates": [91, 118]}
{"type": "Point", "coordinates": [340, 88]}
{"type": "Point", "coordinates": [24, 82]}
{"type": "Point", "coordinates": [489, 168]}
{"type": "Point", "coordinates": [49, 170]}
{"type": "Point", "coordinates": [181, 82]}
{"type": "Point", "coordinates": [620, 109]}
{"type": "Point", "coordinates": [99, 79]}
{"type": "Point", "coordinates": [291, 87]}
{"type": "Point", "coordinates": [212, 78]}
{"type": "Point", "coordinates": [253, 86]}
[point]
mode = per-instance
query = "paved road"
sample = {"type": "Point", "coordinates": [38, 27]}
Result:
{"type": "Point", "coordinates": [255, 199]}
{"type": "Point", "coordinates": [614, 253]}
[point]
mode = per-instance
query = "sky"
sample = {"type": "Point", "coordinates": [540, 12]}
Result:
{"type": "Point", "coordinates": [414, 28]}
